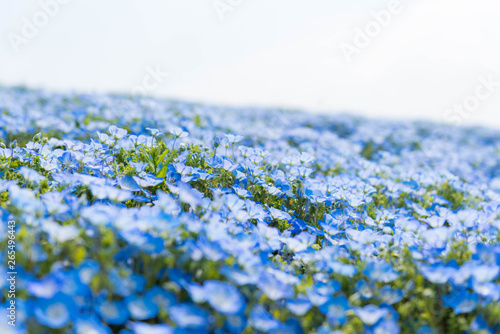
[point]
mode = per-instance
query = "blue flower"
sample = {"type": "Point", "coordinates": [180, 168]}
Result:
{"type": "Point", "coordinates": [189, 316]}
{"type": "Point", "coordinates": [380, 271]}
{"type": "Point", "coordinates": [87, 270]}
{"type": "Point", "coordinates": [234, 138]}
{"type": "Point", "coordinates": [262, 320]}
{"type": "Point", "coordinates": [461, 301]}
{"type": "Point", "coordinates": [141, 308]}
{"type": "Point", "coordinates": [127, 182]}
{"type": "Point", "coordinates": [178, 132]}
{"type": "Point", "coordinates": [278, 214]}
{"type": "Point", "coordinates": [90, 324]}
{"type": "Point", "coordinates": [144, 241]}
{"type": "Point", "coordinates": [438, 273]}
{"type": "Point", "coordinates": [44, 288]}
{"type": "Point", "coordinates": [235, 323]}
{"type": "Point", "coordinates": [274, 288]}
{"type": "Point", "coordinates": [390, 296]}
{"type": "Point", "coordinates": [335, 310]}
{"type": "Point", "coordinates": [224, 297]}
{"type": "Point", "coordinates": [55, 312]}
{"type": "Point", "coordinates": [144, 328]}
{"type": "Point", "coordinates": [113, 312]}
{"type": "Point", "coordinates": [370, 314]}
{"type": "Point", "coordinates": [343, 268]}
{"type": "Point", "coordinates": [364, 289]}
{"type": "Point", "coordinates": [160, 297]}
{"type": "Point", "coordinates": [31, 175]}
{"type": "Point", "coordinates": [479, 324]}
{"type": "Point", "coordinates": [386, 326]}
{"type": "Point", "coordinates": [117, 132]}
{"type": "Point", "coordinates": [299, 306]}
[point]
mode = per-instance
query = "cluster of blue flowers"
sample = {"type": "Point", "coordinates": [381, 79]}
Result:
{"type": "Point", "coordinates": [138, 215]}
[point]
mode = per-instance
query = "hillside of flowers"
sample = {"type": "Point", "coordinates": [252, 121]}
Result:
{"type": "Point", "coordinates": [124, 214]}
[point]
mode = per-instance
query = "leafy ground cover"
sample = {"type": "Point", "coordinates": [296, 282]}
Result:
{"type": "Point", "coordinates": [138, 215]}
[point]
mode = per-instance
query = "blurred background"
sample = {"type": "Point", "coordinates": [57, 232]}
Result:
{"type": "Point", "coordinates": [418, 59]}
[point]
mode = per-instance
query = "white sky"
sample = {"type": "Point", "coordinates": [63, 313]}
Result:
{"type": "Point", "coordinates": [282, 53]}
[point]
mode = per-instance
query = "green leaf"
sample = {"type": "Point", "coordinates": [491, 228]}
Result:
{"type": "Point", "coordinates": [161, 157]}
{"type": "Point", "coordinates": [162, 172]}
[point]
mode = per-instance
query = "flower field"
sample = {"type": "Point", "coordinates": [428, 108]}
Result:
{"type": "Point", "coordinates": [138, 215]}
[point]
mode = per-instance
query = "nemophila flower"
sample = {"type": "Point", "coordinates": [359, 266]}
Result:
{"type": "Point", "coordinates": [366, 236]}
{"type": "Point", "coordinates": [242, 192]}
{"type": "Point", "coordinates": [140, 307]}
{"type": "Point", "coordinates": [298, 225]}
{"type": "Point", "coordinates": [461, 301]}
{"type": "Point", "coordinates": [335, 310]}
{"type": "Point", "coordinates": [127, 182]}
{"type": "Point", "coordinates": [229, 166]}
{"type": "Point", "coordinates": [278, 214]}
{"type": "Point", "coordinates": [90, 324]}
{"type": "Point", "coordinates": [112, 312]}
{"type": "Point", "coordinates": [235, 323]}
{"type": "Point", "coordinates": [299, 306]}
{"type": "Point", "coordinates": [187, 194]}
{"type": "Point", "coordinates": [87, 270]}
{"type": "Point", "coordinates": [55, 312]}
{"type": "Point", "coordinates": [105, 139]}
{"type": "Point", "coordinates": [300, 242]}
{"type": "Point", "coordinates": [46, 288]}
{"type": "Point", "coordinates": [195, 291]}
{"type": "Point", "coordinates": [480, 325]}
{"type": "Point", "coordinates": [364, 289]}
{"type": "Point", "coordinates": [127, 285]}
{"type": "Point", "coordinates": [143, 241]}
{"type": "Point", "coordinates": [210, 249]}
{"type": "Point", "coordinates": [117, 132]}
{"type": "Point", "coordinates": [178, 132]}
{"type": "Point", "coordinates": [167, 203]}
{"type": "Point", "coordinates": [487, 254]}
{"type": "Point", "coordinates": [438, 273]}
{"type": "Point", "coordinates": [490, 291]}
{"type": "Point", "coordinates": [261, 320]}
{"type": "Point", "coordinates": [145, 328]}
{"type": "Point", "coordinates": [179, 171]}
{"type": "Point", "coordinates": [224, 297]}
{"type": "Point", "coordinates": [387, 326]}
{"type": "Point", "coordinates": [273, 287]}
{"type": "Point", "coordinates": [314, 230]}
{"type": "Point", "coordinates": [316, 297]}
{"type": "Point", "coordinates": [240, 277]}
{"type": "Point", "coordinates": [68, 160]}
{"type": "Point", "coordinates": [342, 268]}
{"type": "Point", "coordinates": [54, 204]}
{"type": "Point", "coordinates": [60, 233]}
{"type": "Point", "coordinates": [154, 132]}
{"type": "Point", "coordinates": [146, 181]}
{"type": "Point", "coordinates": [189, 316]}
{"type": "Point", "coordinates": [146, 141]}
{"type": "Point", "coordinates": [380, 271]}
{"type": "Point", "coordinates": [31, 175]}
{"type": "Point", "coordinates": [370, 314]}
{"type": "Point", "coordinates": [390, 296]}
{"type": "Point", "coordinates": [485, 273]}
{"type": "Point", "coordinates": [100, 214]}
{"type": "Point", "coordinates": [301, 172]}
{"type": "Point", "coordinates": [162, 298]}
{"type": "Point", "coordinates": [234, 203]}
{"type": "Point", "coordinates": [111, 193]}
{"type": "Point", "coordinates": [6, 153]}
{"type": "Point", "coordinates": [232, 138]}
